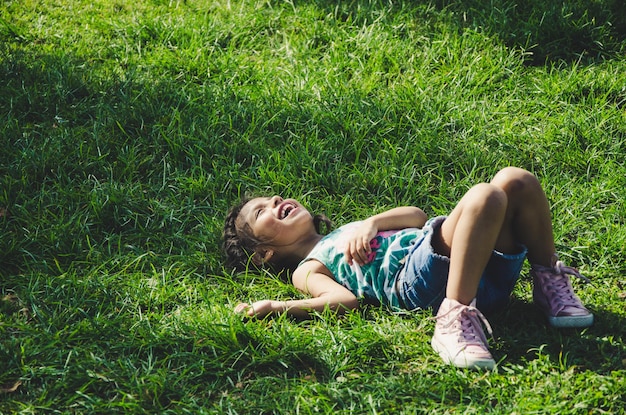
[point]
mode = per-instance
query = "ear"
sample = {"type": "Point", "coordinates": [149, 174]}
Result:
{"type": "Point", "coordinates": [262, 256]}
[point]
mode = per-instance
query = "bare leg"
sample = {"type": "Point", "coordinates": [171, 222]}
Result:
{"type": "Point", "coordinates": [468, 237]}
{"type": "Point", "coordinates": [528, 220]}
{"type": "Point", "coordinates": [511, 210]}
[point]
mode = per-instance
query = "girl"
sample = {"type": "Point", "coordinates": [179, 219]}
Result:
{"type": "Point", "coordinates": [460, 266]}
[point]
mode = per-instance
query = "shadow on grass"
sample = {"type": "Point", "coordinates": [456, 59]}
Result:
{"type": "Point", "coordinates": [550, 31]}
{"type": "Point", "coordinates": [88, 158]}
{"type": "Point", "coordinates": [523, 335]}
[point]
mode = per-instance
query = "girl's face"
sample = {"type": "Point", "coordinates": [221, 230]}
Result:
{"type": "Point", "coordinates": [277, 222]}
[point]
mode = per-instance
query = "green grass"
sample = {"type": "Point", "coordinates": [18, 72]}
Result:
{"type": "Point", "coordinates": [128, 129]}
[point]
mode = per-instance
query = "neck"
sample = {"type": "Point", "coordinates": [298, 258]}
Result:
{"type": "Point", "coordinates": [306, 246]}
{"type": "Point", "coordinates": [300, 250]}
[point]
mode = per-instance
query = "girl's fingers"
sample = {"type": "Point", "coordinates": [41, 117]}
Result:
{"type": "Point", "coordinates": [241, 307]}
{"type": "Point", "coordinates": [349, 253]}
{"type": "Point", "coordinates": [358, 250]}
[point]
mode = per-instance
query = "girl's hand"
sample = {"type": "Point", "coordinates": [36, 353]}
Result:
{"type": "Point", "coordinates": [359, 249]}
{"type": "Point", "coordinates": [258, 309]}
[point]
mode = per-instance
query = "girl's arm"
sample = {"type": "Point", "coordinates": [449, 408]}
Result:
{"type": "Point", "coordinates": [311, 278]}
{"type": "Point", "coordinates": [402, 217]}
{"type": "Point", "coordinates": [399, 218]}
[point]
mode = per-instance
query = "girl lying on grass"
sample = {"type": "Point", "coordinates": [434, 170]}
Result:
{"type": "Point", "coordinates": [461, 265]}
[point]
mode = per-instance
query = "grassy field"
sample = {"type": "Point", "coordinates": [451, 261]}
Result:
{"type": "Point", "coordinates": [127, 129]}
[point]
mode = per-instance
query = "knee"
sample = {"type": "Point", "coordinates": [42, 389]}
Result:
{"type": "Point", "coordinates": [487, 197]}
{"type": "Point", "coordinates": [515, 180]}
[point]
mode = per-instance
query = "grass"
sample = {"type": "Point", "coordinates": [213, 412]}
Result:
{"type": "Point", "coordinates": [129, 129]}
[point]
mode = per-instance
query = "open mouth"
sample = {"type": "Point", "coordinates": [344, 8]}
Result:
{"type": "Point", "coordinates": [285, 210]}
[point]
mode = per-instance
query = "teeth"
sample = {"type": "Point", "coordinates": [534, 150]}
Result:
{"type": "Point", "coordinates": [286, 211]}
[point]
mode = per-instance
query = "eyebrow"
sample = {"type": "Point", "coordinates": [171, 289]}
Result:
{"type": "Point", "coordinates": [254, 207]}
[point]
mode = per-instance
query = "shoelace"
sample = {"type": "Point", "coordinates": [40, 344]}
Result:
{"type": "Point", "coordinates": [559, 286]}
{"type": "Point", "coordinates": [470, 325]}
{"type": "Point", "coordinates": [560, 268]}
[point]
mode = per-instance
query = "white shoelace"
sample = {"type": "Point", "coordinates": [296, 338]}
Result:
{"type": "Point", "coordinates": [558, 283]}
{"type": "Point", "coordinates": [471, 319]}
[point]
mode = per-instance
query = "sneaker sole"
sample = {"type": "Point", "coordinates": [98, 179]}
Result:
{"type": "Point", "coordinates": [459, 361]}
{"type": "Point", "coordinates": [571, 321]}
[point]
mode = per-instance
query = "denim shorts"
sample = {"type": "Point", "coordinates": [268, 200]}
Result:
{"type": "Point", "coordinates": [422, 282]}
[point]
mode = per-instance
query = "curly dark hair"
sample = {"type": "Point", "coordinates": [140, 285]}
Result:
{"type": "Point", "coordinates": [240, 244]}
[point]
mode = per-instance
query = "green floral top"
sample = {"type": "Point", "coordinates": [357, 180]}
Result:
{"type": "Point", "coordinates": [375, 280]}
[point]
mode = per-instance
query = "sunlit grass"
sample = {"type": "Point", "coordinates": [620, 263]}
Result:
{"type": "Point", "coordinates": [129, 129]}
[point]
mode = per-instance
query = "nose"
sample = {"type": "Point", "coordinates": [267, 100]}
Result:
{"type": "Point", "coordinates": [276, 200]}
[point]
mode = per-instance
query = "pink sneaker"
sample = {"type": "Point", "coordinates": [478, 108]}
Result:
{"type": "Point", "coordinates": [554, 295]}
{"type": "Point", "coordinates": [459, 337]}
